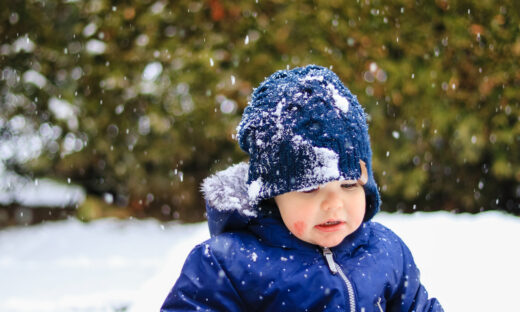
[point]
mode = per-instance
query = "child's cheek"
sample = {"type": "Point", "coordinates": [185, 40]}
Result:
{"type": "Point", "coordinates": [299, 227]}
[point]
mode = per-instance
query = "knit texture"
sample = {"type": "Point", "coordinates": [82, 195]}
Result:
{"type": "Point", "coordinates": [304, 128]}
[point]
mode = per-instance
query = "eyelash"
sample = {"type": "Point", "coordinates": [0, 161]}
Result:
{"type": "Point", "coordinates": [345, 186]}
{"type": "Point", "coordinates": [349, 185]}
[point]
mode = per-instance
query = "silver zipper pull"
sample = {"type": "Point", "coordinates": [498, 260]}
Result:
{"type": "Point", "coordinates": [330, 260]}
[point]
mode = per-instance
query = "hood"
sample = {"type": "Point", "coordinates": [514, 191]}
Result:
{"type": "Point", "coordinates": [227, 204]}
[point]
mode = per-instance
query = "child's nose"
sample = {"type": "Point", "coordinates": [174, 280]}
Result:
{"type": "Point", "coordinates": [331, 201]}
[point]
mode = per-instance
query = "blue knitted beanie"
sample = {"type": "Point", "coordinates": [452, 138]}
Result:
{"type": "Point", "coordinates": [304, 128]}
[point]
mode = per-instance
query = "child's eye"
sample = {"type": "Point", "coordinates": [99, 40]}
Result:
{"type": "Point", "coordinates": [349, 185]}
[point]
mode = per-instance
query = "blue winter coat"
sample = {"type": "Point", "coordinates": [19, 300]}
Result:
{"type": "Point", "coordinates": [253, 263]}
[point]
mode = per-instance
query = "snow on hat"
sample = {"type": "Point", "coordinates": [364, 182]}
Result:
{"type": "Point", "coordinates": [304, 128]}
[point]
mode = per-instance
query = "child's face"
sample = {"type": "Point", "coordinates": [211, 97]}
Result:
{"type": "Point", "coordinates": [326, 215]}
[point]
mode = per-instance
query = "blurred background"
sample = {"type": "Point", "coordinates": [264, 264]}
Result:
{"type": "Point", "coordinates": [112, 113]}
{"type": "Point", "coordinates": [121, 108]}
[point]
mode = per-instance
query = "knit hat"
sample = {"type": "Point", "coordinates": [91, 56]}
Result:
{"type": "Point", "coordinates": [304, 128]}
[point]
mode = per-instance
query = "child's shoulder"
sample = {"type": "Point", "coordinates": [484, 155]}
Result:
{"type": "Point", "coordinates": [231, 240]}
{"type": "Point", "coordinates": [228, 245]}
{"type": "Point", "coordinates": [379, 229]}
{"type": "Point", "coordinates": [382, 236]}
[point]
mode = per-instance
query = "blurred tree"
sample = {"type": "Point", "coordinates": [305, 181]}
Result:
{"type": "Point", "coordinates": [138, 100]}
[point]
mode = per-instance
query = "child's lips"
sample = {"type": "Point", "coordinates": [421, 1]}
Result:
{"type": "Point", "coordinates": [330, 226]}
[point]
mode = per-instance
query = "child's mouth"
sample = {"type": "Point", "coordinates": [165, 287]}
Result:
{"type": "Point", "coordinates": [330, 226]}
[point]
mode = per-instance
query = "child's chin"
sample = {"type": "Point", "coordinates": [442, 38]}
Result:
{"type": "Point", "coordinates": [330, 242]}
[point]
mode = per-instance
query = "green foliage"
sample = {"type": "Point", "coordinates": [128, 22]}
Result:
{"type": "Point", "coordinates": [157, 89]}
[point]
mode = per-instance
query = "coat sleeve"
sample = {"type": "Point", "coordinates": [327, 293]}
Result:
{"type": "Point", "coordinates": [411, 295]}
{"type": "Point", "coordinates": [203, 285]}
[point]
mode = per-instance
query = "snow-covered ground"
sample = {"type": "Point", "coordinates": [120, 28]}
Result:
{"type": "Point", "coordinates": [469, 262]}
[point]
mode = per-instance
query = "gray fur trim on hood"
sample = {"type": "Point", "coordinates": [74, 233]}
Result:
{"type": "Point", "coordinates": [226, 190]}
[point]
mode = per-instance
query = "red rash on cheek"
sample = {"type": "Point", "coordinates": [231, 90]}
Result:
{"type": "Point", "coordinates": [299, 226]}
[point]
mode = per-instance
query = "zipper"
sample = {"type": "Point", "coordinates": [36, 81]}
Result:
{"type": "Point", "coordinates": [336, 269]}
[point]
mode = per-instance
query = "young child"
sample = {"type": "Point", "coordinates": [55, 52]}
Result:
{"type": "Point", "coordinates": [291, 229]}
